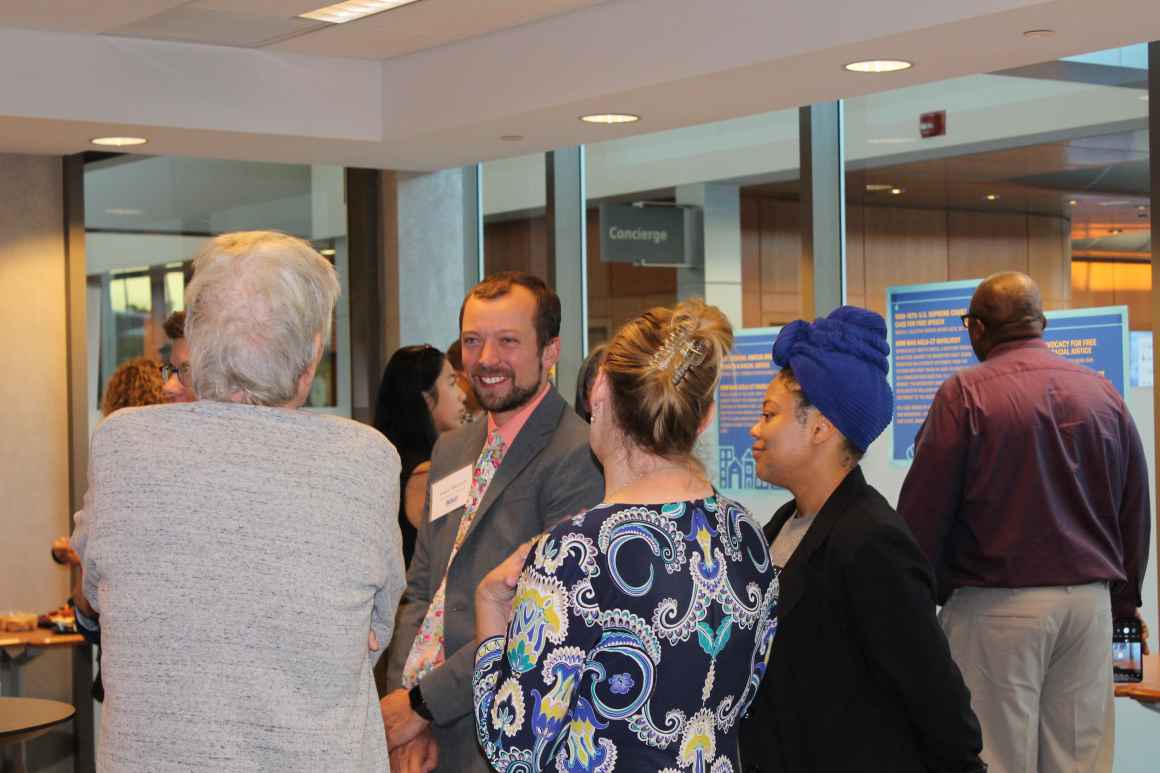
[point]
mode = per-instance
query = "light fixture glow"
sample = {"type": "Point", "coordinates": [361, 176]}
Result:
{"type": "Point", "coordinates": [1073, 202]}
{"type": "Point", "coordinates": [340, 13]}
{"type": "Point", "coordinates": [879, 186]}
{"type": "Point", "coordinates": [118, 142]}
{"type": "Point", "coordinates": [327, 252]}
{"type": "Point", "coordinates": [992, 196]}
{"type": "Point", "coordinates": [610, 118]}
{"type": "Point", "coordinates": [896, 191]}
{"type": "Point", "coordinates": [879, 65]}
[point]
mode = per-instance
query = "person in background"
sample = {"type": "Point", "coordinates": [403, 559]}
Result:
{"type": "Point", "coordinates": [419, 399]}
{"type": "Point", "coordinates": [175, 370]}
{"type": "Point", "coordinates": [861, 678]}
{"type": "Point", "coordinates": [495, 484]}
{"type": "Point", "coordinates": [584, 380]}
{"type": "Point", "coordinates": [237, 578]}
{"type": "Point", "coordinates": [1029, 495]}
{"type": "Point", "coordinates": [473, 411]}
{"type": "Point", "coordinates": [639, 630]}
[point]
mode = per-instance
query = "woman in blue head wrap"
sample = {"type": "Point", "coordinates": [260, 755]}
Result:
{"type": "Point", "coordinates": [861, 678]}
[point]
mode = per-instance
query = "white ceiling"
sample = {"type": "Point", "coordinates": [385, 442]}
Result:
{"type": "Point", "coordinates": [437, 83]}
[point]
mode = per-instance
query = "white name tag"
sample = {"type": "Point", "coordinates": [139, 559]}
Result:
{"type": "Point", "coordinates": [450, 492]}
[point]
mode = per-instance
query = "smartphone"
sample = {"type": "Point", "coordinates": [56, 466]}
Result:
{"type": "Point", "coordinates": [1127, 650]}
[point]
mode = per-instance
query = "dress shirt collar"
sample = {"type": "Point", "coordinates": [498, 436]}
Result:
{"type": "Point", "coordinates": [511, 429]}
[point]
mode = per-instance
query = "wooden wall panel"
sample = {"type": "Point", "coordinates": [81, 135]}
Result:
{"type": "Point", "coordinates": [855, 256]}
{"type": "Point", "coordinates": [750, 262]}
{"type": "Point", "coordinates": [903, 246]}
{"type": "Point", "coordinates": [1049, 259]}
{"type": "Point", "coordinates": [1133, 288]}
{"type": "Point", "coordinates": [982, 243]}
{"type": "Point", "coordinates": [781, 253]}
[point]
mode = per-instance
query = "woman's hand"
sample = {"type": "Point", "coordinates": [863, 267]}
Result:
{"type": "Point", "coordinates": [493, 597]}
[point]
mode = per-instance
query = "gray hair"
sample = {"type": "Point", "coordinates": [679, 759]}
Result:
{"type": "Point", "coordinates": [257, 301]}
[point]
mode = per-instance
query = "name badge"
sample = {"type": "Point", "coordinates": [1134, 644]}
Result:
{"type": "Point", "coordinates": [450, 492]}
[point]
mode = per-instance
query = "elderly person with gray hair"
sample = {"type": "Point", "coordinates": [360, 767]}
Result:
{"type": "Point", "coordinates": [238, 549]}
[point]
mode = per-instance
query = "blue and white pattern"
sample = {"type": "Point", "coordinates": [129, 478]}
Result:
{"type": "Point", "coordinates": [639, 636]}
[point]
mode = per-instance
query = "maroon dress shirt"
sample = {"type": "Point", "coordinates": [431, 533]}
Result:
{"type": "Point", "coordinates": [1028, 471]}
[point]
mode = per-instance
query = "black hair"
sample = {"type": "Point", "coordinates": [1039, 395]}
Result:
{"type": "Point", "coordinates": [401, 413]}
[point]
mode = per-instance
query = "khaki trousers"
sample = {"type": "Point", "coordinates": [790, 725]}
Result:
{"type": "Point", "coordinates": [1038, 662]}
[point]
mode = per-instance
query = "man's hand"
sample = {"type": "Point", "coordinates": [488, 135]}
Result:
{"type": "Point", "coordinates": [419, 755]}
{"type": "Point", "coordinates": [63, 554]}
{"type": "Point", "coordinates": [401, 722]}
{"type": "Point", "coordinates": [1143, 633]}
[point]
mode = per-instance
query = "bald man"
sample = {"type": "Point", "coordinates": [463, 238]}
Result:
{"type": "Point", "coordinates": [1029, 495]}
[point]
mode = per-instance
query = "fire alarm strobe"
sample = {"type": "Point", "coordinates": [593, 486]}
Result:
{"type": "Point", "coordinates": [932, 124]}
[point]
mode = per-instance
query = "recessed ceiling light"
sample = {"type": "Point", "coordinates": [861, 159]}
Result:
{"type": "Point", "coordinates": [327, 252]}
{"type": "Point", "coordinates": [340, 13]}
{"type": "Point", "coordinates": [123, 211]}
{"type": "Point", "coordinates": [610, 118]}
{"type": "Point", "coordinates": [1032, 34]}
{"type": "Point", "coordinates": [1116, 231]}
{"type": "Point", "coordinates": [879, 65]}
{"type": "Point", "coordinates": [878, 186]}
{"type": "Point", "coordinates": [896, 191]}
{"type": "Point", "coordinates": [118, 142]}
{"type": "Point", "coordinates": [890, 140]}
{"type": "Point", "coordinates": [992, 196]}
{"type": "Point", "coordinates": [511, 137]}
{"type": "Point", "coordinates": [1073, 202]}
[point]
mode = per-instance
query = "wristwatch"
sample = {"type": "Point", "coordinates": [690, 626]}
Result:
{"type": "Point", "coordinates": [418, 705]}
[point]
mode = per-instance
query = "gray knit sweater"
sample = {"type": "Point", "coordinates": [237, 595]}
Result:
{"type": "Point", "coordinates": [238, 557]}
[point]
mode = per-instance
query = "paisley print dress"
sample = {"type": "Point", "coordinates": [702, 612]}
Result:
{"type": "Point", "coordinates": [638, 638]}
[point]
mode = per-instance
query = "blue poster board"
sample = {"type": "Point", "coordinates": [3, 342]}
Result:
{"type": "Point", "coordinates": [745, 375]}
{"type": "Point", "coordinates": [929, 343]}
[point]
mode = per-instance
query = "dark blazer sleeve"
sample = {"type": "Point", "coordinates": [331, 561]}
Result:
{"type": "Point", "coordinates": [575, 483]}
{"type": "Point", "coordinates": [890, 589]}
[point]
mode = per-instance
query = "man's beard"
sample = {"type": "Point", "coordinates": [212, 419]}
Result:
{"type": "Point", "coordinates": [517, 398]}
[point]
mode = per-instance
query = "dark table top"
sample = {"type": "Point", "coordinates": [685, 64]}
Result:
{"type": "Point", "coordinates": [24, 718]}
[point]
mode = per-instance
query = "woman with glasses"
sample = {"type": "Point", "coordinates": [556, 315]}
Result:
{"type": "Point", "coordinates": [419, 399]}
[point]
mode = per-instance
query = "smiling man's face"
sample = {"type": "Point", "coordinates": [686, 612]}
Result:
{"type": "Point", "coordinates": [501, 354]}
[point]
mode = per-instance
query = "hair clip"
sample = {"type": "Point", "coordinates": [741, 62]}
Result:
{"type": "Point", "coordinates": [675, 342]}
{"type": "Point", "coordinates": [692, 354]}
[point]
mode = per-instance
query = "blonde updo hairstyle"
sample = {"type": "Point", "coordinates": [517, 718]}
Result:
{"type": "Point", "coordinates": [659, 397]}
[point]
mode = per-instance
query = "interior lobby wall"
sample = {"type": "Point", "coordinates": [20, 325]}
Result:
{"type": "Point", "coordinates": [898, 246]}
{"type": "Point", "coordinates": [34, 449]}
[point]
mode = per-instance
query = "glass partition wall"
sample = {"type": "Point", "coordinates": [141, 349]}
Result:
{"type": "Point", "coordinates": [145, 217]}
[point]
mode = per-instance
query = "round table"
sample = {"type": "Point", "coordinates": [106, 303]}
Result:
{"type": "Point", "coordinates": [24, 718]}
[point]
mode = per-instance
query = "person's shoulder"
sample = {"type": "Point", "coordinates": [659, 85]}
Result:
{"type": "Point", "coordinates": [361, 441]}
{"type": "Point", "coordinates": [132, 421]}
{"type": "Point", "coordinates": [869, 518]}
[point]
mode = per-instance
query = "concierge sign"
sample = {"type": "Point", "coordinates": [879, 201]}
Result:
{"type": "Point", "coordinates": [650, 235]}
{"type": "Point", "coordinates": [929, 343]}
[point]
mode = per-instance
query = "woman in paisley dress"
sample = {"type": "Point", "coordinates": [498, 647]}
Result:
{"type": "Point", "coordinates": [633, 636]}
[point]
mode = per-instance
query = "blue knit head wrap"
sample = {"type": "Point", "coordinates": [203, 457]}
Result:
{"type": "Point", "coordinates": [841, 364]}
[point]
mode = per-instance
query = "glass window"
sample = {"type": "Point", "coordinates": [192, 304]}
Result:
{"type": "Point", "coordinates": [145, 217]}
{"type": "Point", "coordinates": [515, 228]}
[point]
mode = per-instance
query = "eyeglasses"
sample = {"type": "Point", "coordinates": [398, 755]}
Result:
{"type": "Point", "coordinates": [966, 319]}
{"type": "Point", "coordinates": [168, 370]}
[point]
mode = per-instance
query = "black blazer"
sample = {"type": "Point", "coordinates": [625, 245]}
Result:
{"type": "Point", "coordinates": [860, 677]}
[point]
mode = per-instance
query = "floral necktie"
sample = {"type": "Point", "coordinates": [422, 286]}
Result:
{"type": "Point", "coordinates": [427, 650]}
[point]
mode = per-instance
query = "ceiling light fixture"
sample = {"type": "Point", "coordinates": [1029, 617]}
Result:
{"type": "Point", "coordinates": [340, 13]}
{"type": "Point", "coordinates": [118, 142]}
{"type": "Point", "coordinates": [896, 191]}
{"type": "Point", "coordinates": [1034, 34]}
{"type": "Point", "coordinates": [329, 252]}
{"type": "Point", "coordinates": [610, 118]}
{"type": "Point", "coordinates": [879, 186]}
{"type": "Point", "coordinates": [879, 65]}
{"type": "Point", "coordinates": [1073, 202]}
{"type": "Point", "coordinates": [992, 196]}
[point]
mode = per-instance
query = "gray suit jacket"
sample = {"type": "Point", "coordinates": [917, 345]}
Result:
{"type": "Point", "coordinates": [549, 473]}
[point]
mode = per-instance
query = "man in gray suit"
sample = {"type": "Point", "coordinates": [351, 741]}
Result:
{"type": "Point", "coordinates": [494, 485]}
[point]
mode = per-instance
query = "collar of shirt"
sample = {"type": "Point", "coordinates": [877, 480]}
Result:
{"type": "Point", "coordinates": [511, 429]}
{"type": "Point", "coordinates": [1032, 342]}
